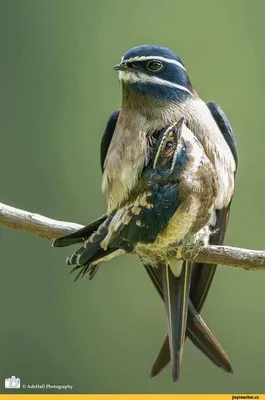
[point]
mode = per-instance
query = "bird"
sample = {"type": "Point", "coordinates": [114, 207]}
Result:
{"type": "Point", "coordinates": [170, 205]}
{"type": "Point", "coordinates": [156, 92]}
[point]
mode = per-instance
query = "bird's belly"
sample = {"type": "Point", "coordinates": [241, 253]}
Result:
{"type": "Point", "coordinates": [178, 228]}
{"type": "Point", "coordinates": [181, 224]}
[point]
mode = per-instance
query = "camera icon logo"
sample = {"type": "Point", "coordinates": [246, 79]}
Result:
{"type": "Point", "coordinates": [12, 383]}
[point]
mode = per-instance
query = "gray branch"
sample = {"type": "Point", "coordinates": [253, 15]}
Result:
{"type": "Point", "coordinates": [48, 228]}
{"type": "Point", "coordinates": [34, 223]}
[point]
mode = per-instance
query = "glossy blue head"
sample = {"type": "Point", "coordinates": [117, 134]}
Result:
{"type": "Point", "coordinates": [156, 72]}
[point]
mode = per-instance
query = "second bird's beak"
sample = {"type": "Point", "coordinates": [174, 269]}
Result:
{"type": "Point", "coordinates": [121, 67]}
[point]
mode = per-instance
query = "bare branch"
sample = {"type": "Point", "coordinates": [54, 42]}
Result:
{"type": "Point", "coordinates": [34, 223]}
{"type": "Point", "coordinates": [227, 255]}
{"type": "Point", "coordinates": [52, 229]}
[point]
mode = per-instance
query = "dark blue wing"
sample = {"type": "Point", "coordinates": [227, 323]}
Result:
{"type": "Point", "coordinates": [107, 136]}
{"type": "Point", "coordinates": [146, 216]}
{"type": "Point", "coordinates": [80, 235]}
{"type": "Point", "coordinates": [224, 126]}
{"type": "Point", "coordinates": [139, 221]}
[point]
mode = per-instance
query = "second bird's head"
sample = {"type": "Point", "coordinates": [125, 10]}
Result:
{"type": "Point", "coordinates": [154, 72]}
{"type": "Point", "coordinates": [175, 149]}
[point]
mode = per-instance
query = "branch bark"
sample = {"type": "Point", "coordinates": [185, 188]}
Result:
{"type": "Point", "coordinates": [48, 228]}
{"type": "Point", "coordinates": [34, 223]}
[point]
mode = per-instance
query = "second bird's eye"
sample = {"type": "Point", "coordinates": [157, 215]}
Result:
{"type": "Point", "coordinates": [169, 145]}
{"type": "Point", "coordinates": [154, 66]}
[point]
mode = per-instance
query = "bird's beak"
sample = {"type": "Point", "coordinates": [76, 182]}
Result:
{"type": "Point", "coordinates": [176, 295]}
{"type": "Point", "coordinates": [121, 67]}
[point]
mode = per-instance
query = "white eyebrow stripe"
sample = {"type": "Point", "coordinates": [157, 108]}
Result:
{"type": "Point", "coordinates": [146, 58]}
{"type": "Point", "coordinates": [160, 145]}
{"type": "Point", "coordinates": [144, 78]}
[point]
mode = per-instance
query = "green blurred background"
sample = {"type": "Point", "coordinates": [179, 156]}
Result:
{"type": "Point", "coordinates": [58, 88]}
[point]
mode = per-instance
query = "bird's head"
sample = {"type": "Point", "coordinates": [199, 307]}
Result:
{"type": "Point", "coordinates": [154, 72]}
{"type": "Point", "coordinates": [171, 149]}
{"type": "Point", "coordinates": [176, 150]}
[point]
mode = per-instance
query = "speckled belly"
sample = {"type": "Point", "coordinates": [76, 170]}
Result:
{"type": "Point", "coordinates": [179, 227]}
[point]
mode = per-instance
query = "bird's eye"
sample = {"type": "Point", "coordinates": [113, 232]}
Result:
{"type": "Point", "coordinates": [154, 66]}
{"type": "Point", "coordinates": [169, 145]}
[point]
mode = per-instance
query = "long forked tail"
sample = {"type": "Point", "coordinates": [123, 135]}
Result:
{"type": "Point", "coordinates": [197, 331]}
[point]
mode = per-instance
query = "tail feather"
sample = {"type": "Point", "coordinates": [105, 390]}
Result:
{"type": "Point", "coordinates": [87, 257]}
{"type": "Point", "coordinates": [92, 271]}
{"type": "Point", "coordinates": [176, 298]}
{"type": "Point", "coordinates": [203, 338]}
{"type": "Point", "coordinates": [87, 269]}
{"type": "Point", "coordinates": [91, 267]}
{"type": "Point", "coordinates": [92, 246]}
{"type": "Point", "coordinates": [197, 332]}
{"type": "Point", "coordinates": [81, 235]}
{"type": "Point", "coordinates": [85, 254]}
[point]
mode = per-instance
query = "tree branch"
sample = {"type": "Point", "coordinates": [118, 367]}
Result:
{"type": "Point", "coordinates": [52, 229]}
{"type": "Point", "coordinates": [34, 223]}
{"type": "Point", "coordinates": [232, 256]}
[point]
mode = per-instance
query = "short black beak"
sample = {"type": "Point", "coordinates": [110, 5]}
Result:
{"type": "Point", "coordinates": [121, 67]}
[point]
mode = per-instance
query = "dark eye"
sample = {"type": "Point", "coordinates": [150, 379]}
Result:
{"type": "Point", "coordinates": [169, 145]}
{"type": "Point", "coordinates": [154, 66]}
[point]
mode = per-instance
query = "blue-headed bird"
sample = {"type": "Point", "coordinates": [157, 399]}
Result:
{"type": "Point", "coordinates": [157, 91]}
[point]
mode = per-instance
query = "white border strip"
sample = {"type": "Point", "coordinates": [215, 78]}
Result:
{"type": "Point", "coordinates": [147, 58]}
{"type": "Point", "coordinates": [132, 77]}
{"type": "Point", "coordinates": [160, 145]}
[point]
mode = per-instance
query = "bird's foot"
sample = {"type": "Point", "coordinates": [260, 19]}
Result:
{"type": "Point", "coordinates": [191, 246]}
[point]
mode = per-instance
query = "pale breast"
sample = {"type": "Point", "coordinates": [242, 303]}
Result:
{"type": "Point", "coordinates": [129, 149]}
{"type": "Point", "coordinates": [217, 150]}
{"type": "Point", "coordinates": [127, 155]}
